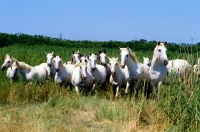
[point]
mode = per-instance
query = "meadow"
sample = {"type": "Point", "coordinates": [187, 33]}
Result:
{"type": "Point", "coordinates": [46, 107]}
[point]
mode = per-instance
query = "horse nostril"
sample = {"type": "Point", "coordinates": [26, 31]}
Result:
{"type": "Point", "coordinates": [165, 62]}
{"type": "Point", "coordinates": [57, 70]}
{"type": "Point", "coordinates": [122, 65]}
{"type": "Point", "coordinates": [93, 69]}
{"type": "Point", "coordinates": [49, 65]}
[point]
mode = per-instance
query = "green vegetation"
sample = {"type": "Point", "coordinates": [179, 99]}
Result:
{"type": "Point", "coordinates": [46, 107]}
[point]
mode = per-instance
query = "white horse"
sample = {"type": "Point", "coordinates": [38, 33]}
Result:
{"type": "Point", "coordinates": [118, 76]}
{"type": "Point", "coordinates": [63, 73]}
{"type": "Point", "coordinates": [82, 78]}
{"type": "Point", "coordinates": [137, 72]}
{"type": "Point", "coordinates": [7, 62]}
{"type": "Point", "coordinates": [75, 57]}
{"type": "Point", "coordinates": [98, 71]}
{"type": "Point", "coordinates": [179, 68]}
{"type": "Point", "coordinates": [147, 61]}
{"type": "Point", "coordinates": [158, 70]}
{"type": "Point", "coordinates": [102, 58]}
{"type": "Point", "coordinates": [49, 64]}
{"type": "Point", "coordinates": [29, 73]}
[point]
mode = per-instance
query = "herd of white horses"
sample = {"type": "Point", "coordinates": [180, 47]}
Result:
{"type": "Point", "coordinates": [83, 72]}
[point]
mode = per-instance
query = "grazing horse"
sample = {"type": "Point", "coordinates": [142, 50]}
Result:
{"type": "Point", "coordinates": [29, 73]}
{"type": "Point", "coordinates": [63, 73]}
{"type": "Point", "coordinates": [82, 78]}
{"type": "Point", "coordinates": [49, 64]}
{"type": "Point", "coordinates": [7, 62]}
{"type": "Point", "coordinates": [158, 70]}
{"type": "Point", "coordinates": [179, 68]}
{"type": "Point", "coordinates": [102, 58]}
{"type": "Point", "coordinates": [118, 76]}
{"type": "Point", "coordinates": [137, 72]}
{"type": "Point", "coordinates": [98, 71]}
{"type": "Point", "coordinates": [147, 61]}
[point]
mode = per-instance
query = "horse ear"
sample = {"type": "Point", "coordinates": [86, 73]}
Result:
{"type": "Point", "coordinates": [116, 59]}
{"type": "Point", "coordinates": [77, 51]}
{"type": "Point", "coordinates": [158, 43]}
{"type": "Point", "coordinates": [45, 53]}
{"type": "Point", "coordinates": [90, 53]}
{"type": "Point", "coordinates": [60, 56]}
{"type": "Point", "coordinates": [165, 43]}
{"type": "Point", "coordinates": [95, 53]}
{"type": "Point", "coordinates": [80, 55]}
{"type": "Point", "coordinates": [109, 58]}
{"type": "Point", "coordinates": [17, 62]}
{"type": "Point", "coordinates": [52, 53]}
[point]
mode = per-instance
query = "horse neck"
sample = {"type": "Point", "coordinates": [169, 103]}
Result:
{"type": "Point", "coordinates": [131, 65]}
{"type": "Point", "coordinates": [155, 63]}
{"type": "Point", "coordinates": [24, 66]}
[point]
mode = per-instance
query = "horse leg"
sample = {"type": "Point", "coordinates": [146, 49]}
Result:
{"type": "Point", "coordinates": [117, 91]}
{"type": "Point", "coordinates": [76, 89]}
{"type": "Point", "coordinates": [136, 88]}
{"type": "Point", "coordinates": [159, 86]}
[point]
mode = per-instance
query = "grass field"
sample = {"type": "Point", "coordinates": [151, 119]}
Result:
{"type": "Point", "coordinates": [46, 107]}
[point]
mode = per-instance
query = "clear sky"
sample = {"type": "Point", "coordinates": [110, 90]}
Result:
{"type": "Point", "coordinates": [104, 20]}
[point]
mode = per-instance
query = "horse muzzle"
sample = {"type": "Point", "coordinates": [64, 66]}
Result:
{"type": "Point", "coordinates": [84, 77]}
{"type": "Point", "coordinates": [113, 73]}
{"type": "Point", "coordinates": [122, 66]}
{"type": "Point", "coordinates": [3, 68]}
{"type": "Point", "coordinates": [165, 62]}
{"type": "Point", "coordinates": [57, 70]}
{"type": "Point", "coordinates": [93, 69]}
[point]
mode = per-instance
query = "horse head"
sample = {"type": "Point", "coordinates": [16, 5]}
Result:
{"type": "Point", "coordinates": [102, 57]}
{"type": "Point", "coordinates": [92, 60]}
{"type": "Point", "coordinates": [75, 57]}
{"type": "Point", "coordinates": [160, 53]}
{"type": "Point", "coordinates": [7, 62]}
{"type": "Point", "coordinates": [113, 64]}
{"type": "Point", "coordinates": [50, 57]}
{"type": "Point", "coordinates": [57, 62]}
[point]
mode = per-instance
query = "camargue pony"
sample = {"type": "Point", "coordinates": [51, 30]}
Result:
{"type": "Point", "coordinates": [98, 71]}
{"type": "Point", "coordinates": [118, 76]}
{"type": "Point", "coordinates": [82, 78]}
{"type": "Point", "coordinates": [75, 58]}
{"type": "Point", "coordinates": [137, 72]}
{"type": "Point", "coordinates": [63, 73]}
{"type": "Point", "coordinates": [102, 58]}
{"type": "Point", "coordinates": [179, 68]}
{"type": "Point", "coordinates": [158, 70]}
{"type": "Point", "coordinates": [147, 61]}
{"type": "Point", "coordinates": [7, 62]}
{"type": "Point", "coordinates": [49, 64]}
{"type": "Point", "coordinates": [29, 73]}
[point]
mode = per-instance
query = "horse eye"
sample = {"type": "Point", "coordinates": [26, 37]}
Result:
{"type": "Point", "coordinates": [8, 61]}
{"type": "Point", "coordinates": [116, 64]}
{"type": "Point", "coordinates": [159, 50]}
{"type": "Point", "coordinates": [126, 55]}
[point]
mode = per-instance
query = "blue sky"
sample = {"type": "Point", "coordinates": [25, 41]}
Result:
{"type": "Point", "coordinates": [104, 20]}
